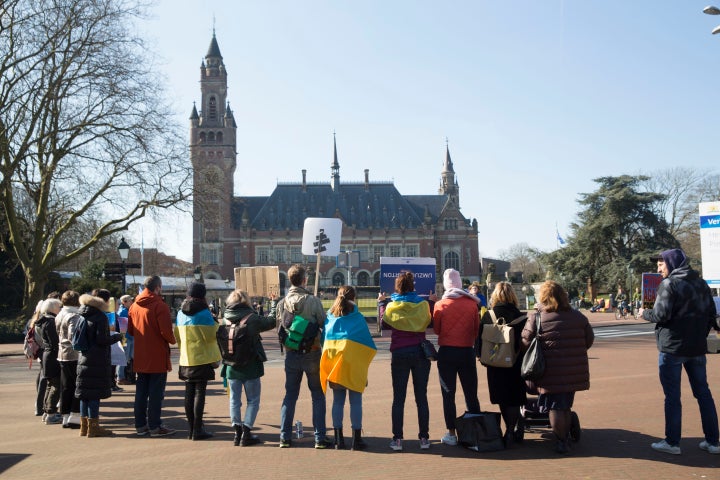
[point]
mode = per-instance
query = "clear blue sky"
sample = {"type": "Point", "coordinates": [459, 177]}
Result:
{"type": "Point", "coordinates": [537, 98]}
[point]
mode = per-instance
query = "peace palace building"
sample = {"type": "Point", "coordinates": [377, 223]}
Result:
{"type": "Point", "coordinates": [378, 221]}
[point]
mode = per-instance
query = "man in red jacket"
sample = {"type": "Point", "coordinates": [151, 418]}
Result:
{"type": "Point", "coordinates": [149, 323]}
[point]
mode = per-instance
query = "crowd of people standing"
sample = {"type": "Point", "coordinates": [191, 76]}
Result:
{"type": "Point", "coordinates": [339, 355]}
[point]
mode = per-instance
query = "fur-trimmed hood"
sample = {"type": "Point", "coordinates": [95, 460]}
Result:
{"type": "Point", "coordinates": [96, 302]}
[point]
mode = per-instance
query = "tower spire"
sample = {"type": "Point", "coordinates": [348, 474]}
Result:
{"type": "Point", "coordinates": [335, 167]}
{"type": "Point", "coordinates": [448, 185]}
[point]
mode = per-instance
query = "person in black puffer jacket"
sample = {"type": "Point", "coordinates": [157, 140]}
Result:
{"type": "Point", "coordinates": [94, 377]}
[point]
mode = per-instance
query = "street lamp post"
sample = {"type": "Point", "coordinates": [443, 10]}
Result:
{"type": "Point", "coordinates": [124, 250]}
{"type": "Point", "coordinates": [712, 10]}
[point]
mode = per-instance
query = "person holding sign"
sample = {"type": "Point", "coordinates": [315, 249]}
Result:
{"type": "Point", "coordinates": [299, 302]}
{"type": "Point", "coordinates": [408, 315]}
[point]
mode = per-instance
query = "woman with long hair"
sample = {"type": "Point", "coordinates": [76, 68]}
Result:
{"type": "Point", "coordinates": [566, 336]}
{"type": "Point", "coordinates": [507, 388]}
{"type": "Point", "coordinates": [408, 315]}
{"type": "Point", "coordinates": [199, 355]}
{"type": "Point", "coordinates": [244, 375]}
{"type": "Point", "coordinates": [347, 352]}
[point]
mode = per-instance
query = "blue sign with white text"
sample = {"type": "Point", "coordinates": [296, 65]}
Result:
{"type": "Point", "coordinates": [423, 270]}
{"type": "Point", "coordinates": [710, 221]}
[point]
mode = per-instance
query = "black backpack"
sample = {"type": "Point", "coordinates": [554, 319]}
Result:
{"type": "Point", "coordinates": [236, 346]}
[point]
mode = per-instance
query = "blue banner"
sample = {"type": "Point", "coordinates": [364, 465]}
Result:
{"type": "Point", "coordinates": [422, 268]}
{"type": "Point", "coordinates": [710, 221]}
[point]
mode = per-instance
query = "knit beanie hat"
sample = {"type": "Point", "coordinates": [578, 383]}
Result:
{"type": "Point", "coordinates": [196, 290]}
{"type": "Point", "coordinates": [451, 279]}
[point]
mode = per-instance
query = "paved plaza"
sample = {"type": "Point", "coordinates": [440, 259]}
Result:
{"type": "Point", "coordinates": [621, 415]}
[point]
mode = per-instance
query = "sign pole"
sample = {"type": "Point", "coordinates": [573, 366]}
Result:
{"type": "Point", "coordinates": [317, 274]}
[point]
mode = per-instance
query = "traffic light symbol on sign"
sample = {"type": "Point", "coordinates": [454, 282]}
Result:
{"type": "Point", "coordinates": [320, 241]}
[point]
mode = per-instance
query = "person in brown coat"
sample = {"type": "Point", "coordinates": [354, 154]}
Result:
{"type": "Point", "coordinates": [565, 339]}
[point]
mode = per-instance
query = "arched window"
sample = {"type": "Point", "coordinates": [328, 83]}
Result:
{"type": "Point", "coordinates": [219, 137]}
{"type": "Point", "coordinates": [338, 279]}
{"type": "Point", "coordinates": [362, 279]}
{"type": "Point", "coordinates": [202, 137]}
{"type": "Point", "coordinates": [212, 104]}
{"type": "Point", "coordinates": [376, 278]}
{"type": "Point", "coordinates": [452, 260]}
{"type": "Point", "coordinates": [211, 137]}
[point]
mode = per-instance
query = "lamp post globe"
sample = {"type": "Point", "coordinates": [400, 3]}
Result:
{"type": "Point", "coordinates": [124, 251]}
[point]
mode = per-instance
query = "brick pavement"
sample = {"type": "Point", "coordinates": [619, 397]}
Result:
{"type": "Point", "coordinates": [621, 415]}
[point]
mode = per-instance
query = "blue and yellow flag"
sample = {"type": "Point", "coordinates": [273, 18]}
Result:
{"type": "Point", "coordinates": [347, 351]}
{"type": "Point", "coordinates": [409, 313]}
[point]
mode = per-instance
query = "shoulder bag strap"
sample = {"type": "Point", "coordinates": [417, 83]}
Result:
{"type": "Point", "coordinates": [493, 316]}
{"type": "Point", "coordinates": [539, 325]}
{"type": "Point", "coordinates": [521, 318]}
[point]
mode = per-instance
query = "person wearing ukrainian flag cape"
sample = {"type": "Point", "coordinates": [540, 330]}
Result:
{"type": "Point", "coordinates": [348, 349]}
{"type": "Point", "coordinates": [408, 314]}
{"type": "Point", "coordinates": [199, 355]}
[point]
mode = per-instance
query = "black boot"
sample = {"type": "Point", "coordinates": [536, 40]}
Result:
{"type": "Point", "coordinates": [189, 407]}
{"type": "Point", "coordinates": [339, 439]}
{"type": "Point", "coordinates": [199, 432]}
{"type": "Point", "coordinates": [358, 443]}
{"type": "Point", "coordinates": [247, 437]}
{"type": "Point", "coordinates": [238, 434]}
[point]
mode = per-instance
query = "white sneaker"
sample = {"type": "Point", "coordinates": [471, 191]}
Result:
{"type": "Point", "coordinates": [424, 443]}
{"type": "Point", "coordinates": [449, 439]}
{"type": "Point", "coordinates": [396, 444]}
{"type": "Point", "coordinates": [74, 419]}
{"type": "Point", "coordinates": [704, 445]}
{"type": "Point", "coordinates": [665, 447]}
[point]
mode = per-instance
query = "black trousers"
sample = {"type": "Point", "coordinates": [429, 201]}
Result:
{"type": "Point", "coordinates": [68, 374]}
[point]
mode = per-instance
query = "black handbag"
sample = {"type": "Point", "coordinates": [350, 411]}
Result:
{"type": "Point", "coordinates": [429, 350]}
{"type": "Point", "coordinates": [480, 432]}
{"type": "Point", "coordinates": [533, 364]}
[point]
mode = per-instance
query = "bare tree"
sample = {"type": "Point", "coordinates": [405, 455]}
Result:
{"type": "Point", "coordinates": [684, 189]}
{"type": "Point", "coordinates": [87, 142]}
{"type": "Point", "coordinates": [523, 258]}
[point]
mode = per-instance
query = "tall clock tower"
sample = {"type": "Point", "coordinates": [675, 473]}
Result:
{"type": "Point", "coordinates": [213, 156]}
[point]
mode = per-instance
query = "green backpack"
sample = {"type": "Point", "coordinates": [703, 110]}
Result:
{"type": "Point", "coordinates": [297, 333]}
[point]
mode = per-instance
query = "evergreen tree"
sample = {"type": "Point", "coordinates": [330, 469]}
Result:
{"type": "Point", "coordinates": [617, 228]}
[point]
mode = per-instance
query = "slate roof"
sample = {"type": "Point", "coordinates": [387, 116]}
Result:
{"type": "Point", "coordinates": [380, 206]}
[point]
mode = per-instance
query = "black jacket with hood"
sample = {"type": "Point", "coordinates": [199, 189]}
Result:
{"type": "Point", "coordinates": [684, 310]}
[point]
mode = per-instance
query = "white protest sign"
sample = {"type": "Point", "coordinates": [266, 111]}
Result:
{"type": "Point", "coordinates": [322, 236]}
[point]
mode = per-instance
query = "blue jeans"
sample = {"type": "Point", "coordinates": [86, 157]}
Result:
{"type": "Point", "coordinates": [454, 363]}
{"type": "Point", "coordinates": [89, 408]}
{"type": "Point", "coordinates": [297, 364]}
{"type": "Point", "coordinates": [149, 395]}
{"type": "Point", "coordinates": [338, 408]}
{"type": "Point", "coordinates": [252, 394]}
{"type": "Point", "coordinates": [670, 369]}
{"type": "Point", "coordinates": [404, 361]}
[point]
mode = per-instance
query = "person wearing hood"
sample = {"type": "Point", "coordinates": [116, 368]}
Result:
{"type": "Point", "coordinates": [199, 355]}
{"type": "Point", "coordinates": [408, 315]}
{"type": "Point", "coordinates": [683, 314]}
{"type": "Point", "coordinates": [47, 333]}
{"type": "Point", "coordinates": [94, 379]}
{"type": "Point", "coordinates": [456, 323]}
{"type": "Point", "coordinates": [149, 322]}
{"type": "Point", "coordinates": [239, 314]}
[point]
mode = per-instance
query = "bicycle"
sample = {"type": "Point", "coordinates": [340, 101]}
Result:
{"type": "Point", "coordinates": [622, 311]}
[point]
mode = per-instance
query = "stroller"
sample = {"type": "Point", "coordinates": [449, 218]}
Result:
{"type": "Point", "coordinates": [535, 417]}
